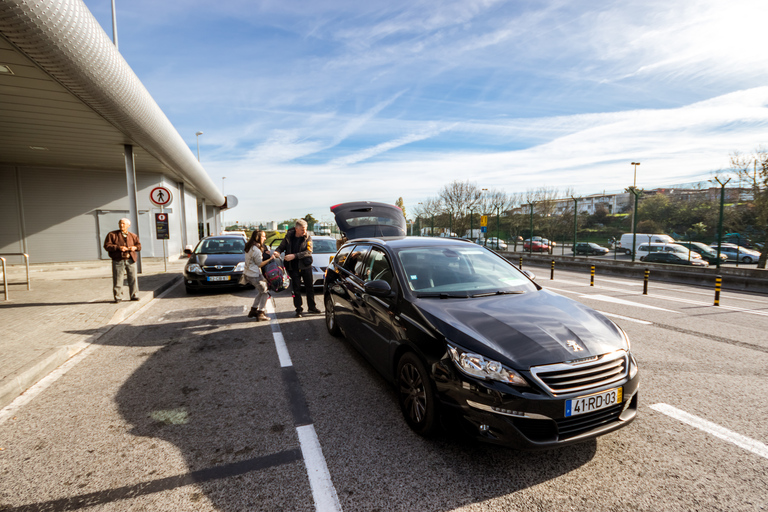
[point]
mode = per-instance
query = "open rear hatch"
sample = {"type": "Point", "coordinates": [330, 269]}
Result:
{"type": "Point", "coordinates": [365, 219]}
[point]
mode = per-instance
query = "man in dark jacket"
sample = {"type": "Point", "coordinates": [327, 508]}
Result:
{"type": "Point", "coordinates": [123, 247]}
{"type": "Point", "coordinates": [297, 246]}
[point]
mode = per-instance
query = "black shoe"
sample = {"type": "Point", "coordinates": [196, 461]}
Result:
{"type": "Point", "coordinates": [254, 313]}
{"type": "Point", "coordinates": [314, 310]}
{"type": "Point", "coordinates": [135, 299]}
{"type": "Point", "coordinates": [299, 314]}
{"type": "Point", "coordinates": [117, 301]}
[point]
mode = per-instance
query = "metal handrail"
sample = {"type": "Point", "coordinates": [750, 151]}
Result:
{"type": "Point", "coordinates": [5, 272]}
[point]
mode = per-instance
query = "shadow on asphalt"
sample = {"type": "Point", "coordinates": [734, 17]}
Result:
{"type": "Point", "coordinates": [218, 396]}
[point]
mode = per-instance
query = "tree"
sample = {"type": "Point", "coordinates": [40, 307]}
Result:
{"type": "Point", "coordinates": [401, 204]}
{"type": "Point", "coordinates": [753, 169]}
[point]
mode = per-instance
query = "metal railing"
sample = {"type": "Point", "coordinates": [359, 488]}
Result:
{"type": "Point", "coordinates": [5, 270]}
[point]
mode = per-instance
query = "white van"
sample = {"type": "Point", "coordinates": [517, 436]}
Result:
{"type": "Point", "coordinates": [625, 244]}
{"type": "Point", "coordinates": [644, 250]}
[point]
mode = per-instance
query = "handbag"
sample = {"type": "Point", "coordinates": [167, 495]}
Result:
{"type": "Point", "coordinates": [243, 280]}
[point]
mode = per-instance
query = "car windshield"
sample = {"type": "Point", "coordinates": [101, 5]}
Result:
{"type": "Point", "coordinates": [323, 246]}
{"type": "Point", "coordinates": [460, 272]}
{"type": "Point", "coordinates": [221, 246]}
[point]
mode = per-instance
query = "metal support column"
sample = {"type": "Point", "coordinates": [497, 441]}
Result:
{"type": "Point", "coordinates": [133, 205]}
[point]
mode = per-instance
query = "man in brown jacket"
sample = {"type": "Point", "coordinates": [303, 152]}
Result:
{"type": "Point", "coordinates": [122, 247]}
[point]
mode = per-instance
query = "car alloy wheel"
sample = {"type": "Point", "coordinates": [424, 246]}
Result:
{"type": "Point", "coordinates": [746, 259]}
{"type": "Point", "coordinates": [417, 395]}
{"type": "Point", "coordinates": [330, 318]}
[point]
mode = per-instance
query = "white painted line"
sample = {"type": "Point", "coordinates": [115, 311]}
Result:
{"type": "Point", "coordinates": [282, 350]}
{"type": "Point", "coordinates": [23, 399]}
{"type": "Point", "coordinates": [626, 318]}
{"type": "Point", "coordinates": [280, 346]}
{"type": "Point", "coordinates": [614, 300]}
{"type": "Point", "coordinates": [714, 429]}
{"type": "Point", "coordinates": [560, 290]}
{"type": "Point", "coordinates": [44, 383]}
{"type": "Point", "coordinates": [323, 491]}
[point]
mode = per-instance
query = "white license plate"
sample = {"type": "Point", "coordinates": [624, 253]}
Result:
{"type": "Point", "coordinates": [219, 278]}
{"type": "Point", "coordinates": [590, 403]}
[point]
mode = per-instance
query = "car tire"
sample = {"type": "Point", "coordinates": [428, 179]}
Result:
{"type": "Point", "coordinates": [642, 258]}
{"type": "Point", "coordinates": [746, 259]}
{"type": "Point", "coordinates": [628, 252]}
{"type": "Point", "coordinates": [330, 319]}
{"type": "Point", "coordinates": [417, 395]}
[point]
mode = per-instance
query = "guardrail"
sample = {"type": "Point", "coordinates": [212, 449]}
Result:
{"type": "Point", "coordinates": [733, 278]}
{"type": "Point", "coordinates": [5, 270]}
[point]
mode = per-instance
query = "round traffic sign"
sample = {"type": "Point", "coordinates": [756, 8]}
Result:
{"type": "Point", "coordinates": [160, 196]}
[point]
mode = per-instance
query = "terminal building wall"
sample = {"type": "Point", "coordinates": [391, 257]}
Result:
{"type": "Point", "coordinates": [60, 215]}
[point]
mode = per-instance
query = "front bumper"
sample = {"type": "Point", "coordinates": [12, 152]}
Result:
{"type": "Point", "coordinates": [526, 420]}
{"type": "Point", "coordinates": [202, 282]}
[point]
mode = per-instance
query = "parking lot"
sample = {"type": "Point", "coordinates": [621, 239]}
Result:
{"type": "Point", "coordinates": [188, 405]}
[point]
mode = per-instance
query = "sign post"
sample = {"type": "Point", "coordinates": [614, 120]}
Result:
{"type": "Point", "coordinates": [162, 197]}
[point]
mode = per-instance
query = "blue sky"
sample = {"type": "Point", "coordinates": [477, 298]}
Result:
{"type": "Point", "coordinates": [305, 105]}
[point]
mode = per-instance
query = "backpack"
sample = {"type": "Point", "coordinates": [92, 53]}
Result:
{"type": "Point", "coordinates": [277, 277]}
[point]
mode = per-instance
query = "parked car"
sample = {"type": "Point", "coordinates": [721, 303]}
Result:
{"type": "Point", "coordinates": [704, 251]}
{"type": "Point", "coordinates": [644, 250]}
{"type": "Point", "coordinates": [625, 243]}
{"type": "Point", "coordinates": [216, 262]}
{"type": "Point", "coordinates": [535, 246]}
{"type": "Point", "coordinates": [496, 243]}
{"type": "Point", "coordinates": [469, 341]}
{"type": "Point", "coordinates": [588, 248]}
{"type": "Point", "coordinates": [733, 251]}
{"type": "Point", "coordinates": [673, 258]}
{"type": "Point", "coordinates": [323, 250]}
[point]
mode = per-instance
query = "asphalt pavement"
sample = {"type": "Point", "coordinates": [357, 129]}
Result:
{"type": "Point", "coordinates": [68, 307]}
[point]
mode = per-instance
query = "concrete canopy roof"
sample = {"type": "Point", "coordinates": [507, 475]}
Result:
{"type": "Point", "coordinates": [71, 100]}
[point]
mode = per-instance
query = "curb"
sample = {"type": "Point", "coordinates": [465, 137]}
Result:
{"type": "Point", "coordinates": [34, 371]}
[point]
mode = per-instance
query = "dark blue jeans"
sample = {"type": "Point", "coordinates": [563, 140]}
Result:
{"type": "Point", "coordinates": [297, 277]}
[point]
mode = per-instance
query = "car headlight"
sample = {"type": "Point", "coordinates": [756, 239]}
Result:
{"type": "Point", "coordinates": [481, 367]}
{"type": "Point", "coordinates": [240, 267]}
{"type": "Point", "coordinates": [194, 267]}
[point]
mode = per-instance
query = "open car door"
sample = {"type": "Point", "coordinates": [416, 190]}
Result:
{"type": "Point", "coordinates": [365, 219]}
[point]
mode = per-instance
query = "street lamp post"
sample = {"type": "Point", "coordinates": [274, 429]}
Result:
{"type": "Point", "coordinates": [223, 226]}
{"type": "Point", "coordinates": [635, 193]}
{"type": "Point", "coordinates": [197, 137]}
{"type": "Point", "coordinates": [720, 221]}
{"type": "Point", "coordinates": [530, 243]}
{"type": "Point", "coordinates": [634, 186]}
{"type": "Point", "coordinates": [575, 222]}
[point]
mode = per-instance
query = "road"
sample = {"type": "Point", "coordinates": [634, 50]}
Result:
{"type": "Point", "coordinates": [188, 405]}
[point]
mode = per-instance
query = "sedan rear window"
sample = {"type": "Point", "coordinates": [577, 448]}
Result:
{"type": "Point", "coordinates": [460, 271]}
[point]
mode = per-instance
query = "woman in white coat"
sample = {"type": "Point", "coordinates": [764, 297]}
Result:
{"type": "Point", "coordinates": [255, 252]}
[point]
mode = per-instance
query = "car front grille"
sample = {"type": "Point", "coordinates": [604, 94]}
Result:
{"type": "Point", "coordinates": [575, 425]}
{"type": "Point", "coordinates": [215, 268]}
{"type": "Point", "coordinates": [580, 376]}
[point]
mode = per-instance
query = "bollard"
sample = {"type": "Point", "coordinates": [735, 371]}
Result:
{"type": "Point", "coordinates": [552, 273]}
{"type": "Point", "coordinates": [592, 277]}
{"type": "Point", "coordinates": [718, 283]}
{"type": "Point", "coordinates": [645, 282]}
{"type": "Point", "coordinates": [521, 263]}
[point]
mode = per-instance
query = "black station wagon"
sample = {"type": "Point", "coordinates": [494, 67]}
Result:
{"type": "Point", "coordinates": [470, 341]}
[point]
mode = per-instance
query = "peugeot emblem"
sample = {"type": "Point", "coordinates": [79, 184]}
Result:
{"type": "Point", "coordinates": [575, 346]}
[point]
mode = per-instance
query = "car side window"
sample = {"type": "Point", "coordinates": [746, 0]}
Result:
{"type": "Point", "coordinates": [377, 267]}
{"type": "Point", "coordinates": [342, 255]}
{"type": "Point", "coordinates": [355, 262]}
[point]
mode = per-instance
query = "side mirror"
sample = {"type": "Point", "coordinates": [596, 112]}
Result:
{"type": "Point", "coordinates": [378, 288]}
{"type": "Point", "coordinates": [530, 274]}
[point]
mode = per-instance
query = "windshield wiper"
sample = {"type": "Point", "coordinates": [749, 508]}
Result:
{"type": "Point", "coordinates": [442, 295]}
{"type": "Point", "coordinates": [498, 292]}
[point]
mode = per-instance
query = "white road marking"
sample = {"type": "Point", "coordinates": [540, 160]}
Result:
{"type": "Point", "coordinates": [280, 346]}
{"type": "Point", "coordinates": [44, 383]}
{"type": "Point", "coordinates": [323, 491]}
{"type": "Point", "coordinates": [615, 300]}
{"type": "Point", "coordinates": [714, 429]}
{"type": "Point", "coordinates": [626, 318]}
